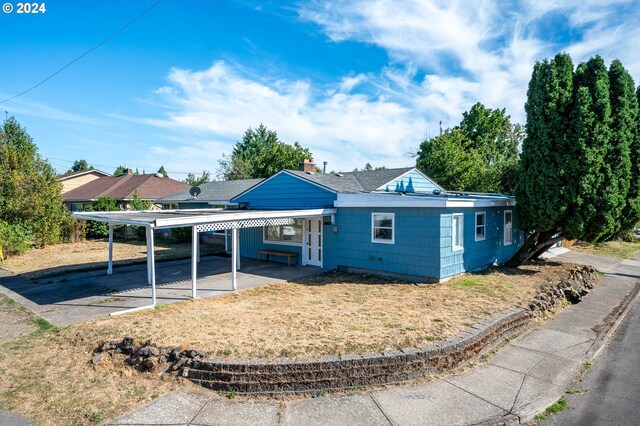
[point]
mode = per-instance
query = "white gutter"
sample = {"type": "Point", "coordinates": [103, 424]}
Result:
{"type": "Point", "coordinates": [393, 200]}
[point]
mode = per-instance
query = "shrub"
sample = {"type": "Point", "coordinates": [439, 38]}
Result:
{"type": "Point", "coordinates": [140, 232]}
{"type": "Point", "coordinates": [72, 230]}
{"type": "Point", "coordinates": [181, 235]}
{"type": "Point", "coordinates": [14, 239]}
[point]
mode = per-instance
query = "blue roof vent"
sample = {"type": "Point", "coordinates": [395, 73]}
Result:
{"type": "Point", "coordinates": [409, 187]}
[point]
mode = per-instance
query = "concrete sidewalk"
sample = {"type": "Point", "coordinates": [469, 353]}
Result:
{"type": "Point", "coordinates": [522, 379]}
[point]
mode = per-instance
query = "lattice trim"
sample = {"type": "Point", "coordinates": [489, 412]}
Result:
{"type": "Point", "coordinates": [253, 223]}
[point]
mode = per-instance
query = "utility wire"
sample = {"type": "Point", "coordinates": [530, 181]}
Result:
{"type": "Point", "coordinates": [172, 172]}
{"type": "Point", "coordinates": [84, 54]}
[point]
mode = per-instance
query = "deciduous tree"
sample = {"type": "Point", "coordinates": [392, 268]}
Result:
{"type": "Point", "coordinates": [260, 154]}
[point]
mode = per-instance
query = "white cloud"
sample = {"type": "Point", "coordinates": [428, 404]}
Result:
{"type": "Point", "coordinates": [218, 104]}
{"type": "Point", "coordinates": [444, 57]}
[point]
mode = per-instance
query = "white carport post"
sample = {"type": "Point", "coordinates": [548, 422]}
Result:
{"type": "Point", "coordinates": [151, 265]}
{"type": "Point", "coordinates": [236, 246]}
{"type": "Point", "coordinates": [234, 256]}
{"type": "Point", "coordinates": [110, 265]}
{"type": "Point", "coordinates": [194, 260]}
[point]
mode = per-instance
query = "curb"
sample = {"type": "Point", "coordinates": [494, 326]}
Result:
{"type": "Point", "coordinates": [603, 338]}
{"type": "Point", "coordinates": [596, 348]}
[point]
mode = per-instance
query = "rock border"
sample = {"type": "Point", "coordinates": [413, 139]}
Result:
{"type": "Point", "coordinates": [330, 373]}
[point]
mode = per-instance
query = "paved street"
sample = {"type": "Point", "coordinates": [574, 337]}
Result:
{"type": "Point", "coordinates": [612, 386]}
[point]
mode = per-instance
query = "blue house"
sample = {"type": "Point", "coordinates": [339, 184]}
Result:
{"type": "Point", "coordinates": [396, 222]}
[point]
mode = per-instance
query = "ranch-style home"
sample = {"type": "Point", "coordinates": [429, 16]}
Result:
{"type": "Point", "coordinates": [396, 221]}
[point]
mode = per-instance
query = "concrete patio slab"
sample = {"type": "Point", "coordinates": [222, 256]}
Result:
{"type": "Point", "coordinates": [223, 412]}
{"type": "Point", "coordinates": [177, 408]}
{"type": "Point", "coordinates": [435, 403]}
{"type": "Point", "coordinates": [353, 410]}
{"type": "Point", "coordinates": [80, 296]}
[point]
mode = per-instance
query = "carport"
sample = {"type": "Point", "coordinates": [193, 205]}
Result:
{"type": "Point", "coordinates": [202, 220]}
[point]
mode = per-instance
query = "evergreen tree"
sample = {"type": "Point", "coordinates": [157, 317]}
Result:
{"type": "Point", "coordinates": [624, 115]}
{"type": "Point", "coordinates": [598, 190]}
{"type": "Point", "coordinates": [120, 170]}
{"type": "Point", "coordinates": [545, 188]}
{"type": "Point", "coordinates": [79, 166]}
{"type": "Point", "coordinates": [193, 180]}
{"type": "Point", "coordinates": [162, 171]}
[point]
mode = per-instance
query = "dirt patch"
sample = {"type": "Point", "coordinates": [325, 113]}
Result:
{"type": "Point", "coordinates": [94, 253]}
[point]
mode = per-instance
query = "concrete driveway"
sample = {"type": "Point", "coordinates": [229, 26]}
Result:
{"type": "Point", "coordinates": [75, 297]}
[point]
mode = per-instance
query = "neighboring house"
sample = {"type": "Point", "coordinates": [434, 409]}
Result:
{"type": "Point", "coordinates": [75, 179]}
{"type": "Point", "coordinates": [122, 189]}
{"type": "Point", "coordinates": [212, 194]}
{"type": "Point", "coordinates": [394, 221]}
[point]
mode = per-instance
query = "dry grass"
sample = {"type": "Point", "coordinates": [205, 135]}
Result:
{"type": "Point", "coordinates": [622, 249]}
{"type": "Point", "coordinates": [93, 253]}
{"type": "Point", "coordinates": [45, 375]}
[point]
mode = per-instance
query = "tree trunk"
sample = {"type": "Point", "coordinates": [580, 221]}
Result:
{"type": "Point", "coordinates": [536, 244]}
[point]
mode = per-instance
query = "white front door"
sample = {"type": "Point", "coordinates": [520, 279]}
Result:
{"type": "Point", "coordinates": [313, 242]}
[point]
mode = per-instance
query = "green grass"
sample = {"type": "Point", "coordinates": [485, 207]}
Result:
{"type": "Point", "coordinates": [552, 409]}
{"type": "Point", "coordinates": [621, 249]}
{"type": "Point", "coordinates": [43, 325]}
{"type": "Point", "coordinates": [574, 392]}
{"type": "Point", "coordinates": [587, 364]}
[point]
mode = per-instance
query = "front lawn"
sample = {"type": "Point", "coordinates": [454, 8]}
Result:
{"type": "Point", "coordinates": [46, 375]}
{"type": "Point", "coordinates": [621, 249]}
{"type": "Point", "coordinates": [94, 253]}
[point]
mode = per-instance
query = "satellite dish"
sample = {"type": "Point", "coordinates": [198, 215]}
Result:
{"type": "Point", "coordinates": [195, 191]}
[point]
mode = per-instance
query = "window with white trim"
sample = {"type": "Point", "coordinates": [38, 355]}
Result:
{"type": "Point", "coordinates": [457, 231]}
{"type": "Point", "coordinates": [383, 228]}
{"type": "Point", "coordinates": [284, 234]}
{"type": "Point", "coordinates": [508, 227]}
{"type": "Point", "coordinates": [481, 226]}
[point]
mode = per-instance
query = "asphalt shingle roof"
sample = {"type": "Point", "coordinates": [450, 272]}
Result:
{"type": "Point", "coordinates": [214, 191]}
{"type": "Point", "coordinates": [148, 187]}
{"type": "Point", "coordinates": [353, 182]}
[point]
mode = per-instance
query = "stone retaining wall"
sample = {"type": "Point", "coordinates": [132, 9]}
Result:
{"type": "Point", "coordinates": [347, 371]}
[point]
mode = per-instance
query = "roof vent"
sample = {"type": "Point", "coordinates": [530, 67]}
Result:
{"type": "Point", "coordinates": [159, 175]}
{"type": "Point", "coordinates": [309, 173]}
{"type": "Point", "coordinates": [436, 192]}
{"type": "Point", "coordinates": [339, 174]}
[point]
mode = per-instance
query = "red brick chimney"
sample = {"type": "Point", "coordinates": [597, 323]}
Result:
{"type": "Point", "coordinates": [307, 166]}
{"type": "Point", "coordinates": [128, 171]}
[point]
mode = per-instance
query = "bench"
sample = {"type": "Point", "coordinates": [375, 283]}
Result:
{"type": "Point", "coordinates": [286, 254]}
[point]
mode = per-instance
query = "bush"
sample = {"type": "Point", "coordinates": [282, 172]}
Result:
{"type": "Point", "coordinates": [181, 235]}
{"type": "Point", "coordinates": [72, 230]}
{"type": "Point", "coordinates": [140, 232]}
{"type": "Point", "coordinates": [14, 239]}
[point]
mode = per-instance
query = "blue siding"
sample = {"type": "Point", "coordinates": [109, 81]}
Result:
{"type": "Point", "coordinates": [287, 192]}
{"type": "Point", "coordinates": [415, 252]}
{"type": "Point", "coordinates": [418, 181]}
{"type": "Point", "coordinates": [251, 240]}
{"type": "Point", "coordinates": [476, 255]}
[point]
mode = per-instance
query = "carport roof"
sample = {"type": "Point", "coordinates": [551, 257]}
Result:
{"type": "Point", "coordinates": [182, 218]}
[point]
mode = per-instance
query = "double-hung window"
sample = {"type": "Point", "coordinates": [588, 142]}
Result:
{"type": "Point", "coordinates": [383, 228]}
{"type": "Point", "coordinates": [457, 231]}
{"type": "Point", "coordinates": [508, 227]}
{"type": "Point", "coordinates": [481, 226]}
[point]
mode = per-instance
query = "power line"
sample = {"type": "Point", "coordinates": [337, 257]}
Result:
{"type": "Point", "coordinates": [171, 172]}
{"type": "Point", "coordinates": [84, 54]}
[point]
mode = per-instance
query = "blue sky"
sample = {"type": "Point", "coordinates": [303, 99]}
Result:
{"type": "Point", "coordinates": [355, 81]}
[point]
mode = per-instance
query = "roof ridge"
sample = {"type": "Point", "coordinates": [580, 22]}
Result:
{"type": "Point", "coordinates": [360, 182]}
{"type": "Point", "coordinates": [120, 180]}
{"type": "Point", "coordinates": [148, 176]}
